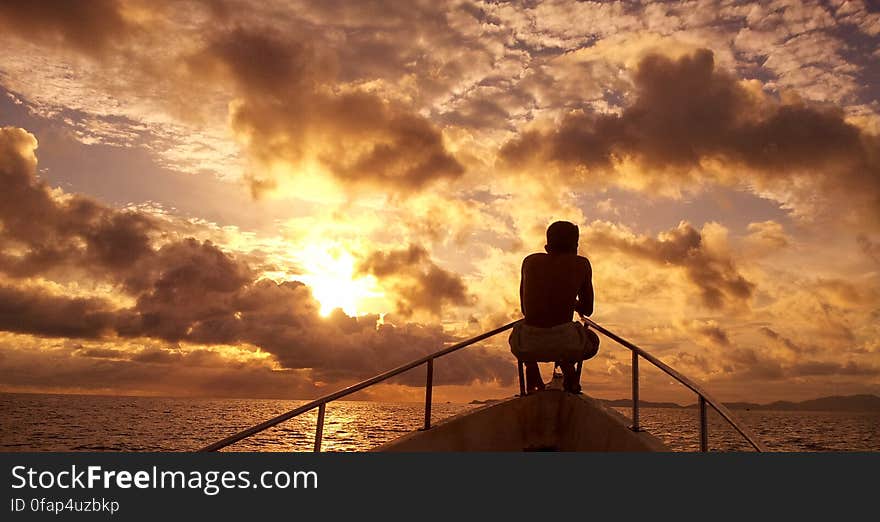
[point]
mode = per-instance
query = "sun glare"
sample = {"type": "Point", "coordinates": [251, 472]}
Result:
{"type": "Point", "coordinates": [334, 281]}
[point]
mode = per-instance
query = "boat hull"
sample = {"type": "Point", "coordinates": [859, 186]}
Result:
{"type": "Point", "coordinates": [550, 420]}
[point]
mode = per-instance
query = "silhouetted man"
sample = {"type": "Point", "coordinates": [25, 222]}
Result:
{"type": "Point", "coordinates": [554, 285]}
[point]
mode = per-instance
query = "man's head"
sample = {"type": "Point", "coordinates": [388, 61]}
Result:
{"type": "Point", "coordinates": [562, 238]}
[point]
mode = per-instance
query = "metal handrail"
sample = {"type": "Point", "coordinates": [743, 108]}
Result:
{"type": "Point", "coordinates": [428, 360]}
{"type": "Point", "coordinates": [322, 401]}
{"type": "Point", "coordinates": [704, 397]}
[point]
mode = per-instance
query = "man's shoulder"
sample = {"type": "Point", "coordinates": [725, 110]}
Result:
{"type": "Point", "coordinates": [539, 257]}
{"type": "Point", "coordinates": [585, 262]}
{"type": "Point", "coordinates": [534, 257]}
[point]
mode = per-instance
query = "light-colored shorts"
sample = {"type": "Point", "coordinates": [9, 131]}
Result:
{"type": "Point", "coordinates": [567, 342]}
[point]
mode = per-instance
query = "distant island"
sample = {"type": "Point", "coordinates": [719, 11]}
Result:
{"type": "Point", "coordinates": [627, 403]}
{"type": "Point", "coordinates": [862, 402]}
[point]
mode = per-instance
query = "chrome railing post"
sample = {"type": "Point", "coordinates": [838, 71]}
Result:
{"type": "Point", "coordinates": [319, 427]}
{"type": "Point", "coordinates": [428, 389]}
{"type": "Point", "coordinates": [704, 426]}
{"type": "Point", "coordinates": [635, 391]}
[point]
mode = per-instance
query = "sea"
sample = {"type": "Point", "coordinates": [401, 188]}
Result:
{"type": "Point", "coordinates": [43, 422]}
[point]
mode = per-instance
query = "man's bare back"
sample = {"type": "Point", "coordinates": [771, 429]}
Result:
{"type": "Point", "coordinates": [553, 286]}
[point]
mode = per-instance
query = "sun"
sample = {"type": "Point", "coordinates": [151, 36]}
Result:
{"type": "Point", "coordinates": [334, 281]}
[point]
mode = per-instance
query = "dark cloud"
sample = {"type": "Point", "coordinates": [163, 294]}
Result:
{"type": "Point", "coordinates": [690, 360]}
{"type": "Point", "coordinates": [100, 353]}
{"type": "Point", "coordinates": [39, 313]}
{"type": "Point", "coordinates": [418, 282]}
{"type": "Point", "coordinates": [797, 349]}
{"type": "Point", "coordinates": [289, 110]}
{"type": "Point", "coordinates": [715, 276]}
{"type": "Point", "coordinates": [282, 319]}
{"type": "Point", "coordinates": [773, 334]}
{"type": "Point", "coordinates": [41, 233]}
{"type": "Point", "coordinates": [714, 333]}
{"type": "Point", "coordinates": [185, 283]}
{"type": "Point", "coordinates": [823, 368]}
{"type": "Point", "coordinates": [185, 374]}
{"type": "Point", "coordinates": [870, 248]}
{"type": "Point", "coordinates": [478, 113]}
{"type": "Point", "coordinates": [90, 27]}
{"type": "Point", "coordinates": [755, 364]}
{"type": "Point", "coordinates": [190, 291]}
{"type": "Point", "coordinates": [751, 363]}
{"type": "Point", "coordinates": [157, 356]}
{"type": "Point", "coordinates": [846, 294]}
{"type": "Point", "coordinates": [686, 113]}
{"type": "Point", "coordinates": [430, 48]}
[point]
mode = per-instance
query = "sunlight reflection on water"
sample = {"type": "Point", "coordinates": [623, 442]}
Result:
{"type": "Point", "coordinates": [88, 423]}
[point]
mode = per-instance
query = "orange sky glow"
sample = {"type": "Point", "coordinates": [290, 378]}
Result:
{"type": "Point", "coordinates": [235, 198]}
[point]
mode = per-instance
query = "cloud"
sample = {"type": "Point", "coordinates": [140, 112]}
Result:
{"type": "Point", "coordinates": [42, 231]}
{"type": "Point", "coordinates": [183, 284]}
{"type": "Point", "coordinates": [289, 111]}
{"type": "Point", "coordinates": [189, 291]}
{"type": "Point", "coordinates": [418, 282]}
{"type": "Point", "coordinates": [713, 273]}
{"type": "Point", "coordinates": [844, 294]}
{"type": "Point", "coordinates": [479, 112]}
{"type": "Point", "coordinates": [753, 364]}
{"type": "Point", "coordinates": [690, 122]}
{"type": "Point", "coordinates": [100, 353]}
{"type": "Point", "coordinates": [869, 248]}
{"type": "Point", "coordinates": [768, 235]}
{"type": "Point", "coordinates": [823, 368]}
{"type": "Point", "coordinates": [91, 27]}
{"type": "Point", "coordinates": [39, 313]}
{"type": "Point", "coordinates": [29, 364]}
{"type": "Point", "coordinates": [781, 340]}
{"type": "Point", "coordinates": [712, 331]}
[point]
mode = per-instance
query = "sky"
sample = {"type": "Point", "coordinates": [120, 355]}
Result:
{"type": "Point", "coordinates": [278, 199]}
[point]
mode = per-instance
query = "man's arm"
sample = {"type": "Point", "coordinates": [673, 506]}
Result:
{"type": "Point", "coordinates": [585, 296]}
{"type": "Point", "coordinates": [522, 304]}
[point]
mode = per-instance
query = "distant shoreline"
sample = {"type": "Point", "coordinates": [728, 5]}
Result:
{"type": "Point", "coordinates": [849, 403]}
{"type": "Point", "coordinates": [862, 402]}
